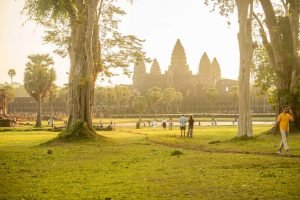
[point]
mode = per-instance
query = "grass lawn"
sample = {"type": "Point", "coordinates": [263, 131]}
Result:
{"type": "Point", "coordinates": [149, 164]}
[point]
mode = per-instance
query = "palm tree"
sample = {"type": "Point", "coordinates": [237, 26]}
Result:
{"type": "Point", "coordinates": [178, 101]}
{"type": "Point", "coordinates": [52, 96]}
{"type": "Point", "coordinates": [154, 96]}
{"type": "Point", "coordinates": [169, 97]}
{"type": "Point", "coordinates": [211, 96]}
{"type": "Point", "coordinates": [11, 74]}
{"type": "Point", "coordinates": [38, 79]}
{"type": "Point", "coordinates": [140, 104]}
{"type": "Point", "coordinates": [123, 94]}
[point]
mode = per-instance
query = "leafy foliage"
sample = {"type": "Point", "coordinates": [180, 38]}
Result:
{"type": "Point", "coordinates": [10, 92]}
{"type": "Point", "coordinates": [11, 73]}
{"type": "Point", "coordinates": [140, 104]}
{"type": "Point", "coordinates": [117, 50]}
{"type": "Point", "coordinates": [38, 76]}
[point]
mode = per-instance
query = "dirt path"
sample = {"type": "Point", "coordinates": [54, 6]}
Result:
{"type": "Point", "coordinates": [208, 150]}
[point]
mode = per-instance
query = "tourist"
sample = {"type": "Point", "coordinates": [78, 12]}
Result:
{"type": "Point", "coordinates": [154, 124]}
{"type": "Point", "coordinates": [170, 124]}
{"type": "Point", "coordinates": [100, 124]}
{"type": "Point", "coordinates": [191, 126]}
{"type": "Point", "coordinates": [182, 122]}
{"type": "Point", "coordinates": [283, 121]}
{"type": "Point", "coordinates": [164, 123]}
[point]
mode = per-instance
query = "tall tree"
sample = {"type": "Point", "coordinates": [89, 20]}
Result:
{"type": "Point", "coordinates": [11, 93]}
{"type": "Point", "coordinates": [124, 94]}
{"type": "Point", "coordinates": [11, 74]}
{"type": "Point", "coordinates": [234, 93]}
{"type": "Point", "coordinates": [279, 30]}
{"type": "Point", "coordinates": [211, 96]}
{"type": "Point", "coordinates": [168, 97]}
{"type": "Point", "coordinates": [154, 94]}
{"type": "Point", "coordinates": [74, 26]}
{"type": "Point", "coordinates": [245, 10]}
{"type": "Point", "coordinates": [39, 76]}
{"type": "Point", "coordinates": [178, 100]}
{"type": "Point", "coordinates": [52, 96]}
{"type": "Point", "coordinates": [140, 105]}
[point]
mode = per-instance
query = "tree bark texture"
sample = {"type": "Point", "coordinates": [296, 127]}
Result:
{"type": "Point", "coordinates": [84, 60]}
{"type": "Point", "coordinates": [246, 51]}
{"type": "Point", "coordinates": [38, 122]}
{"type": "Point", "coordinates": [282, 49]}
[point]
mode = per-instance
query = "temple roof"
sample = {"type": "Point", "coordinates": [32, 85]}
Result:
{"type": "Point", "coordinates": [140, 67]}
{"type": "Point", "coordinates": [216, 69]}
{"type": "Point", "coordinates": [215, 65]}
{"type": "Point", "coordinates": [204, 65]}
{"type": "Point", "coordinates": [178, 59]}
{"type": "Point", "coordinates": [155, 68]}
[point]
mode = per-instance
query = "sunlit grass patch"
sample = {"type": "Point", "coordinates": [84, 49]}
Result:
{"type": "Point", "coordinates": [142, 164]}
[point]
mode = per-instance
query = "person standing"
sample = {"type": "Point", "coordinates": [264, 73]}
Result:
{"type": "Point", "coordinates": [170, 124]}
{"type": "Point", "coordinates": [283, 120]}
{"type": "Point", "coordinates": [182, 122]}
{"type": "Point", "coordinates": [191, 126]}
{"type": "Point", "coordinates": [154, 124]}
{"type": "Point", "coordinates": [164, 123]}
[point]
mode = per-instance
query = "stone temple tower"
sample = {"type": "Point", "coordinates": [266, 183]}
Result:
{"type": "Point", "coordinates": [205, 72]}
{"type": "Point", "coordinates": [216, 70]}
{"type": "Point", "coordinates": [178, 73]}
{"type": "Point", "coordinates": [139, 75]}
{"type": "Point", "coordinates": [155, 68]}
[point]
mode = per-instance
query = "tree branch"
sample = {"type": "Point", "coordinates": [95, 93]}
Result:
{"type": "Point", "coordinates": [99, 10]}
{"type": "Point", "coordinates": [265, 41]}
{"type": "Point", "coordinates": [285, 6]}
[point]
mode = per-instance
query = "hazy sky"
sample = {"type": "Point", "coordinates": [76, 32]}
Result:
{"type": "Point", "coordinates": [160, 22]}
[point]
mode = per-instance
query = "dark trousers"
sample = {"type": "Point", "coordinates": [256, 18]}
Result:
{"type": "Point", "coordinates": [190, 131]}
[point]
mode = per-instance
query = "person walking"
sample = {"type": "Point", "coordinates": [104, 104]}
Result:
{"type": "Point", "coordinates": [283, 120]}
{"type": "Point", "coordinates": [182, 122]}
{"type": "Point", "coordinates": [191, 126]}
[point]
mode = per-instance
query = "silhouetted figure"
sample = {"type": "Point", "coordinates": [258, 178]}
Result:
{"type": "Point", "coordinates": [164, 124]}
{"type": "Point", "coordinates": [191, 126]}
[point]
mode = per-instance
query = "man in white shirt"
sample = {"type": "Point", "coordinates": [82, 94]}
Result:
{"type": "Point", "coordinates": [182, 124]}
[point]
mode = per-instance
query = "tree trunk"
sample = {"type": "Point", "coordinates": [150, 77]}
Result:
{"type": "Point", "coordinates": [282, 50]}
{"type": "Point", "coordinates": [246, 50]}
{"type": "Point", "coordinates": [38, 122]}
{"type": "Point", "coordinates": [83, 73]}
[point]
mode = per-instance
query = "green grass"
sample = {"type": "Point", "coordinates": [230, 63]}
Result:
{"type": "Point", "coordinates": [149, 164]}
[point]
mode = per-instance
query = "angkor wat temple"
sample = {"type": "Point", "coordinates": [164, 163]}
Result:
{"type": "Point", "coordinates": [180, 77]}
{"type": "Point", "coordinates": [192, 86]}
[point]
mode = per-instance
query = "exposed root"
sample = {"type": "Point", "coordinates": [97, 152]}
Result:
{"type": "Point", "coordinates": [79, 131]}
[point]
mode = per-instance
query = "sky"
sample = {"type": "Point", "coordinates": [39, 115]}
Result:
{"type": "Point", "coordinates": [159, 22]}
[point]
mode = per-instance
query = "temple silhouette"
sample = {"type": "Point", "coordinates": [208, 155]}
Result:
{"type": "Point", "coordinates": [180, 77]}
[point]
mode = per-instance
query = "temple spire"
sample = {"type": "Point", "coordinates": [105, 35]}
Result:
{"type": "Point", "coordinates": [205, 72]}
{"type": "Point", "coordinates": [204, 65]}
{"type": "Point", "coordinates": [155, 68]}
{"type": "Point", "coordinates": [178, 59]}
{"type": "Point", "coordinates": [139, 72]}
{"type": "Point", "coordinates": [216, 70]}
